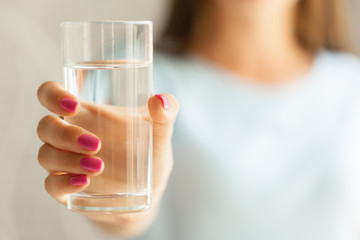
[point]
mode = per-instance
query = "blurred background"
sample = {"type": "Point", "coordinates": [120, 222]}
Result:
{"type": "Point", "coordinates": [30, 55]}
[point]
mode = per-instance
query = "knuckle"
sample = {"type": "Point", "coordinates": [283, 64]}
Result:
{"type": "Point", "coordinates": [161, 134]}
{"type": "Point", "coordinates": [42, 153]}
{"type": "Point", "coordinates": [48, 184]}
{"type": "Point", "coordinates": [41, 89]}
{"type": "Point", "coordinates": [68, 132]}
{"type": "Point", "coordinates": [128, 219]}
{"type": "Point", "coordinates": [43, 124]}
{"type": "Point", "coordinates": [68, 163]}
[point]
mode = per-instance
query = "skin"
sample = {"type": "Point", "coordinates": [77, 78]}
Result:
{"type": "Point", "coordinates": [242, 36]}
{"type": "Point", "coordinates": [254, 39]}
{"type": "Point", "coordinates": [60, 154]}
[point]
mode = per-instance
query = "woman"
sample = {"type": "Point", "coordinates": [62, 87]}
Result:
{"type": "Point", "coordinates": [263, 144]}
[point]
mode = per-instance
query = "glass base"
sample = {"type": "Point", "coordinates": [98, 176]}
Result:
{"type": "Point", "coordinates": [110, 203]}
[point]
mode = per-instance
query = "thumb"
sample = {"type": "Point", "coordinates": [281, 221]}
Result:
{"type": "Point", "coordinates": [163, 109]}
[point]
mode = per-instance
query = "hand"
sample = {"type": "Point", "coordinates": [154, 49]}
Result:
{"type": "Point", "coordinates": [61, 154]}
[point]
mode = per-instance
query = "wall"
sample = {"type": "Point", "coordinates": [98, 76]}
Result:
{"type": "Point", "coordinates": [30, 55]}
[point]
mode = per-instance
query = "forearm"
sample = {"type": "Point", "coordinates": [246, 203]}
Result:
{"type": "Point", "coordinates": [131, 224]}
{"type": "Point", "coordinates": [126, 225]}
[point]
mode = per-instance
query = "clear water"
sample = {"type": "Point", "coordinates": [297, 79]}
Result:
{"type": "Point", "coordinates": [113, 97]}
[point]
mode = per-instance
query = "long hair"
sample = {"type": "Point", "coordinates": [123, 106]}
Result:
{"type": "Point", "coordinates": [319, 24]}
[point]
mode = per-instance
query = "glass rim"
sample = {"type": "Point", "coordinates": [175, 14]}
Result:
{"type": "Point", "coordinates": [124, 22]}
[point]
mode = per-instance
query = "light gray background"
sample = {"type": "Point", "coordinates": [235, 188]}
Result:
{"type": "Point", "coordinates": [30, 55]}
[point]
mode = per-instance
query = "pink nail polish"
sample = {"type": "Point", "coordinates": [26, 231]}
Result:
{"type": "Point", "coordinates": [89, 142]}
{"type": "Point", "coordinates": [164, 100]}
{"type": "Point", "coordinates": [68, 104]}
{"type": "Point", "coordinates": [91, 164]}
{"type": "Point", "coordinates": [78, 180]}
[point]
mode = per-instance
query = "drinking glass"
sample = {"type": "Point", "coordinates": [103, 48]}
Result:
{"type": "Point", "coordinates": [108, 67]}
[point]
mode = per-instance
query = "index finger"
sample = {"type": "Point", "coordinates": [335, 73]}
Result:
{"type": "Point", "coordinates": [56, 99]}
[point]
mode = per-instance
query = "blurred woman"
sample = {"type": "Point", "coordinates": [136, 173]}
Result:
{"type": "Point", "coordinates": [265, 144]}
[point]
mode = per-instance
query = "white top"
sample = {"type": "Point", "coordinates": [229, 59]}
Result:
{"type": "Point", "coordinates": [261, 162]}
{"type": "Point", "coordinates": [251, 162]}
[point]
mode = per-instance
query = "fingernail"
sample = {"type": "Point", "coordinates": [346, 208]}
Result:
{"type": "Point", "coordinates": [89, 142]}
{"type": "Point", "coordinates": [91, 164]}
{"type": "Point", "coordinates": [68, 104]}
{"type": "Point", "coordinates": [78, 180]}
{"type": "Point", "coordinates": [164, 100]}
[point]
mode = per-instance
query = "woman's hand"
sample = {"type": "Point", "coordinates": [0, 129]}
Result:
{"type": "Point", "coordinates": [69, 150]}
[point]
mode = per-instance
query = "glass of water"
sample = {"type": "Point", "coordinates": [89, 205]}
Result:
{"type": "Point", "coordinates": [108, 67]}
